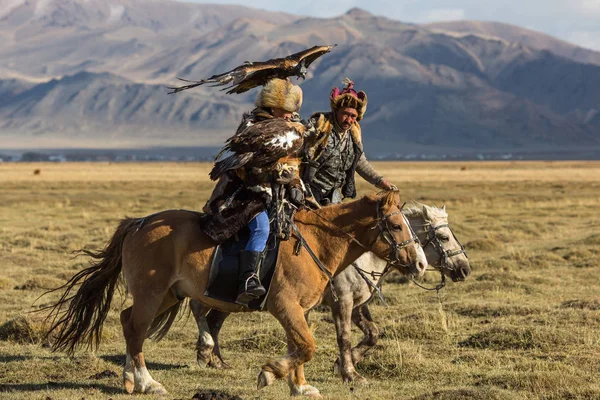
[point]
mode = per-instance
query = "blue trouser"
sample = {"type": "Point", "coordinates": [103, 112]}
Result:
{"type": "Point", "coordinates": [259, 232]}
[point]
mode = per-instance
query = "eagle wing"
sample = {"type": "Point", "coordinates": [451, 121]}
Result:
{"type": "Point", "coordinates": [252, 74]}
{"type": "Point", "coordinates": [310, 55]}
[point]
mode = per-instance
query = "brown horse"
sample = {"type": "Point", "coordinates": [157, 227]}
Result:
{"type": "Point", "coordinates": [166, 258]}
{"type": "Point", "coordinates": [355, 286]}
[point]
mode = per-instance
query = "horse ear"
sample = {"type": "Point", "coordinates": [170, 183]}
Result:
{"type": "Point", "coordinates": [444, 208]}
{"type": "Point", "coordinates": [425, 216]}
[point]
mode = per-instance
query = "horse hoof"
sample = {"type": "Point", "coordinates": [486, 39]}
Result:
{"type": "Point", "coordinates": [265, 378]}
{"type": "Point", "coordinates": [203, 363]}
{"type": "Point", "coordinates": [306, 390]}
{"type": "Point", "coordinates": [129, 385]}
{"type": "Point", "coordinates": [156, 389]}
{"type": "Point", "coordinates": [353, 377]}
{"type": "Point", "coordinates": [128, 382]}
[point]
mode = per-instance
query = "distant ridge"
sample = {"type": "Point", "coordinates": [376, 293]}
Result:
{"type": "Point", "coordinates": [93, 74]}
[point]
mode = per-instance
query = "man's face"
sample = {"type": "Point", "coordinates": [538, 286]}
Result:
{"type": "Point", "coordinates": [281, 113]}
{"type": "Point", "coordinates": [346, 117]}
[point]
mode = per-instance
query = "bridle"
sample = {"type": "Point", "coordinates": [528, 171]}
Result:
{"type": "Point", "coordinates": [445, 255]}
{"type": "Point", "coordinates": [385, 232]}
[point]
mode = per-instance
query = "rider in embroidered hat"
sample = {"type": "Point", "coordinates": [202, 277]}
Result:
{"type": "Point", "coordinates": [330, 164]}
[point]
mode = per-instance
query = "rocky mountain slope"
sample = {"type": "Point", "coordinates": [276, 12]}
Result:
{"type": "Point", "coordinates": [93, 73]}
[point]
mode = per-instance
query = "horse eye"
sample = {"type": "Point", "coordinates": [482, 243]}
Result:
{"type": "Point", "coordinates": [443, 238]}
{"type": "Point", "coordinates": [397, 227]}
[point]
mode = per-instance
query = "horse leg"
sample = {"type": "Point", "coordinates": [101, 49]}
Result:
{"type": "Point", "coordinates": [297, 381]}
{"type": "Point", "coordinates": [209, 324]}
{"type": "Point", "coordinates": [135, 321]}
{"type": "Point", "coordinates": [205, 343]}
{"type": "Point", "coordinates": [361, 316]}
{"type": "Point", "coordinates": [342, 313]}
{"type": "Point", "coordinates": [215, 321]}
{"type": "Point", "coordinates": [301, 348]}
{"type": "Point", "coordinates": [128, 379]}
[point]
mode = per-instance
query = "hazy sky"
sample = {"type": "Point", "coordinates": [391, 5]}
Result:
{"type": "Point", "coordinates": [577, 21]}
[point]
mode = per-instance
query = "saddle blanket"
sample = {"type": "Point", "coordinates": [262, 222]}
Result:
{"type": "Point", "coordinates": [223, 276]}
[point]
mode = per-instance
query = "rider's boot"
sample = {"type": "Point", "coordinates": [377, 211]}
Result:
{"type": "Point", "coordinates": [250, 287]}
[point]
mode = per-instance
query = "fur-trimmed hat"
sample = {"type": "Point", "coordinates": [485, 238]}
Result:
{"type": "Point", "coordinates": [280, 93]}
{"type": "Point", "coordinates": [348, 97]}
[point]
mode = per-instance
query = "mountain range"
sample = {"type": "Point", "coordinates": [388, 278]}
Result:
{"type": "Point", "coordinates": [92, 73]}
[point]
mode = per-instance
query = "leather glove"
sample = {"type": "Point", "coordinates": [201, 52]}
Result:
{"type": "Point", "coordinates": [296, 196]}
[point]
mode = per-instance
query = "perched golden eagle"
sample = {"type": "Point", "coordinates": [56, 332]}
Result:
{"type": "Point", "coordinates": [253, 74]}
{"type": "Point", "coordinates": [262, 145]}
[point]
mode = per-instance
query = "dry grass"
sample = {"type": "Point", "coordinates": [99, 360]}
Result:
{"type": "Point", "coordinates": [525, 325]}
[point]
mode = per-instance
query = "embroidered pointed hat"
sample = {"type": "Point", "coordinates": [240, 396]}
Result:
{"type": "Point", "coordinates": [348, 97]}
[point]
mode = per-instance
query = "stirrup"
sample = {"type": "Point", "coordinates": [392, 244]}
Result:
{"type": "Point", "coordinates": [248, 295]}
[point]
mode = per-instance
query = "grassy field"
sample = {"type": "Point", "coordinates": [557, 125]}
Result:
{"type": "Point", "coordinates": [525, 325]}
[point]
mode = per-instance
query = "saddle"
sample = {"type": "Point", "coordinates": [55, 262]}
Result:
{"type": "Point", "coordinates": [223, 275]}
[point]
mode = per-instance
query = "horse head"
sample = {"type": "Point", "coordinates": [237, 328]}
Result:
{"type": "Point", "coordinates": [442, 248]}
{"type": "Point", "coordinates": [392, 237]}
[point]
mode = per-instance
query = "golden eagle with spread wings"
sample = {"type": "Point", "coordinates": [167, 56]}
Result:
{"type": "Point", "coordinates": [252, 74]}
{"type": "Point", "coordinates": [262, 145]}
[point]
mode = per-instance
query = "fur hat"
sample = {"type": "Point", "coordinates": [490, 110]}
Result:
{"type": "Point", "coordinates": [348, 97]}
{"type": "Point", "coordinates": [280, 93]}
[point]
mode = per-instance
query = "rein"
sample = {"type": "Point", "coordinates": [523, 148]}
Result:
{"type": "Point", "coordinates": [316, 260]}
{"type": "Point", "coordinates": [436, 288]}
{"type": "Point", "coordinates": [377, 276]}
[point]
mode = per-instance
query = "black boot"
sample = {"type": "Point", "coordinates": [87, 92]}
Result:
{"type": "Point", "coordinates": [249, 284]}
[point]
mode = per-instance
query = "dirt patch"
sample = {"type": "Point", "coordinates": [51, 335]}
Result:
{"type": "Point", "coordinates": [107, 373]}
{"type": "Point", "coordinates": [23, 330]}
{"type": "Point", "coordinates": [581, 304]}
{"type": "Point", "coordinates": [483, 311]}
{"type": "Point", "coordinates": [501, 339]}
{"type": "Point", "coordinates": [214, 395]}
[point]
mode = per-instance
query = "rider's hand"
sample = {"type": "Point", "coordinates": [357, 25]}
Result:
{"type": "Point", "coordinates": [296, 196]}
{"type": "Point", "coordinates": [387, 185]}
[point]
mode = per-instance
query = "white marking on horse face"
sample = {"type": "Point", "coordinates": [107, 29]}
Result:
{"type": "Point", "coordinates": [421, 260]}
{"type": "Point", "coordinates": [284, 140]}
{"type": "Point", "coordinates": [249, 124]}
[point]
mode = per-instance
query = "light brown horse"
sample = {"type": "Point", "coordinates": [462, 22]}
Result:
{"type": "Point", "coordinates": [166, 258]}
{"type": "Point", "coordinates": [355, 286]}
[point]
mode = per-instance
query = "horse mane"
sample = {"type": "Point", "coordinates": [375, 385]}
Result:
{"type": "Point", "coordinates": [415, 209]}
{"type": "Point", "coordinates": [386, 199]}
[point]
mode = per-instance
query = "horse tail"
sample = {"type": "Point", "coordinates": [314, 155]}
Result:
{"type": "Point", "coordinates": [161, 324]}
{"type": "Point", "coordinates": [87, 309]}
